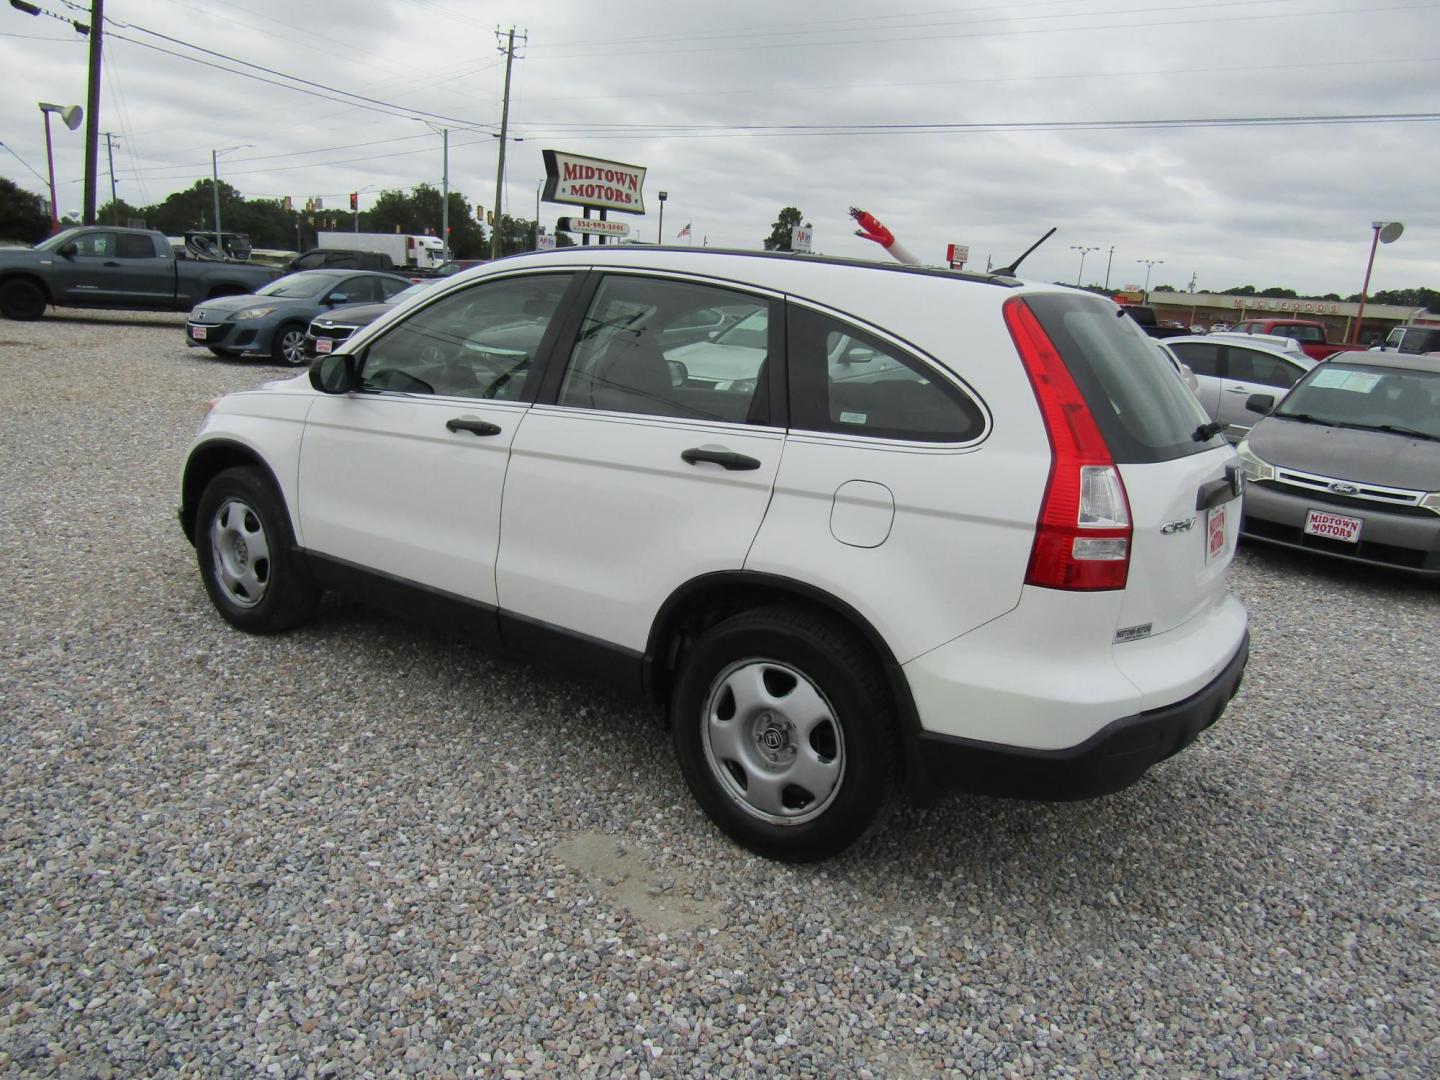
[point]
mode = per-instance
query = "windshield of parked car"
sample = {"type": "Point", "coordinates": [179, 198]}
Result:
{"type": "Point", "coordinates": [750, 332]}
{"type": "Point", "coordinates": [1396, 400]}
{"type": "Point", "coordinates": [298, 286]}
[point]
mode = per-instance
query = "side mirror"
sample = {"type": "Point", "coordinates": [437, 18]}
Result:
{"type": "Point", "coordinates": [858, 355]}
{"type": "Point", "coordinates": [1260, 403]}
{"type": "Point", "coordinates": [68, 250]}
{"type": "Point", "coordinates": [334, 374]}
{"type": "Point", "coordinates": [336, 299]}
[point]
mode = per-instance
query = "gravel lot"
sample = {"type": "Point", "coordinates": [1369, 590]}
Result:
{"type": "Point", "coordinates": [365, 848]}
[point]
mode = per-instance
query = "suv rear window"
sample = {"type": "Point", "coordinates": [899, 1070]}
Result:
{"type": "Point", "coordinates": [1144, 410]}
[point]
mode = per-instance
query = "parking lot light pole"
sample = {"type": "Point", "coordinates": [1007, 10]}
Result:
{"type": "Point", "coordinates": [215, 190]}
{"type": "Point", "coordinates": [1149, 264]}
{"type": "Point", "coordinates": [1386, 232]}
{"type": "Point", "coordinates": [1083, 252]}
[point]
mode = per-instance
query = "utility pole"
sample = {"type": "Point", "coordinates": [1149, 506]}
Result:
{"type": "Point", "coordinates": [110, 153]}
{"type": "Point", "coordinates": [92, 108]}
{"type": "Point", "coordinates": [1109, 259]}
{"type": "Point", "coordinates": [444, 194]}
{"type": "Point", "coordinates": [498, 227]}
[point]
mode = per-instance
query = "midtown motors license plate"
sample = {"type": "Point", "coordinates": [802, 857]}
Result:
{"type": "Point", "coordinates": [323, 344]}
{"type": "Point", "coordinates": [1216, 542]}
{"type": "Point", "coordinates": [198, 333]}
{"type": "Point", "coordinates": [1323, 523]}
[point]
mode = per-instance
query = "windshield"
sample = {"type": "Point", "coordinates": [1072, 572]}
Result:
{"type": "Point", "coordinates": [1398, 400]}
{"type": "Point", "coordinates": [298, 286]}
{"type": "Point", "coordinates": [750, 332]}
{"type": "Point", "coordinates": [56, 240]}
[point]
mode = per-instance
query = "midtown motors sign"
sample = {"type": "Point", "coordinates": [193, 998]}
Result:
{"type": "Point", "coordinates": [583, 181]}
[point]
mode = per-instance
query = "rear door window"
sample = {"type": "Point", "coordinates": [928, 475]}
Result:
{"type": "Point", "coordinates": [1202, 357]}
{"type": "Point", "coordinates": [847, 381]}
{"type": "Point", "coordinates": [1145, 412]}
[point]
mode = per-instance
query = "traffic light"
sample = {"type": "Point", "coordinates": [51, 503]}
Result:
{"type": "Point", "coordinates": [489, 217]}
{"type": "Point", "coordinates": [354, 200]}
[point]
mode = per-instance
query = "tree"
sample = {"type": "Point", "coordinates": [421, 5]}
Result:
{"type": "Point", "coordinates": [22, 215]}
{"type": "Point", "coordinates": [1277, 293]}
{"type": "Point", "coordinates": [118, 212]}
{"type": "Point", "coordinates": [418, 213]}
{"type": "Point", "coordinates": [779, 238]}
{"type": "Point", "coordinates": [1163, 288]}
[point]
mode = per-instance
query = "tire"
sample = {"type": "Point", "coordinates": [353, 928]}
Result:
{"type": "Point", "coordinates": [287, 347]}
{"type": "Point", "coordinates": [246, 555]}
{"type": "Point", "coordinates": [785, 732]}
{"type": "Point", "coordinates": [22, 300]}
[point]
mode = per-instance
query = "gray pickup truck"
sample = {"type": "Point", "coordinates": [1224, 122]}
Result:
{"type": "Point", "coordinates": [103, 267]}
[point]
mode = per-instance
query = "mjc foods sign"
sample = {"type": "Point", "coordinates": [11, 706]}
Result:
{"type": "Point", "coordinates": [583, 181]}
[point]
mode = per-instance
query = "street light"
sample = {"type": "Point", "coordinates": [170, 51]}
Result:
{"type": "Point", "coordinates": [1386, 232]}
{"type": "Point", "coordinates": [215, 190]}
{"type": "Point", "coordinates": [1083, 252]}
{"type": "Point", "coordinates": [72, 115]}
{"type": "Point", "coordinates": [1149, 263]}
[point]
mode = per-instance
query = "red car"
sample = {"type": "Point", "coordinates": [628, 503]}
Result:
{"type": "Point", "coordinates": [1310, 333]}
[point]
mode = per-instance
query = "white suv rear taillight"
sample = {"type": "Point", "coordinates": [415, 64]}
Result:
{"type": "Point", "coordinates": [1082, 537]}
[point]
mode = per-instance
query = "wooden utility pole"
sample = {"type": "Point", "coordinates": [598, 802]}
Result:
{"type": "Point", "coordinates": [92, 109]}
{"type": "Point", "coordinates": [498, 227]}
{"type": "Point", "coordinates": [110, 138]}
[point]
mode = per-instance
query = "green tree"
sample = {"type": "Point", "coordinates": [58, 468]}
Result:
{"type": "Point", "coordinates": [418, 213]}
{"type": "Point", "coordinates": [22, 215]}
{"type": "Point", "coordinates": [118, 212]}
{"type": "Point", "coordinates": [1277, 293]}
{"type": "Point", "coordinates": [1163, 288]}
{"type": "Point", "coordinates": [779, 238]}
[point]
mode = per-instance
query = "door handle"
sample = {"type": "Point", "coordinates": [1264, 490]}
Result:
{"type": "Point", "coordinates": [111, 263]}
{"type": "Point", "coordinates": [1237, 390]}
{"type": "Point", "coordinates": [472, 424]}
{"type": "Point", "coordinates": [726, 459]}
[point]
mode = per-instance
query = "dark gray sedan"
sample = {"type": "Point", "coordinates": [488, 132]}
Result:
{"type": "Point", "coordinates": [273, 319]}
{"type": "Point", "coordinates": [1348, 465]}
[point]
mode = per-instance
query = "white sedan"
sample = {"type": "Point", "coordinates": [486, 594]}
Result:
{"type": "Point", "coordinates": [1228, 370]}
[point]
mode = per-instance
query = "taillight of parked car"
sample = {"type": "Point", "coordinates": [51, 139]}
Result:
{"type": "Point", "coordinates": [1082, 538]}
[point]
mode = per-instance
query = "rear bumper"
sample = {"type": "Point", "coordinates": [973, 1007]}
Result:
{"type": "Point", "coordinates": [1113, 758]}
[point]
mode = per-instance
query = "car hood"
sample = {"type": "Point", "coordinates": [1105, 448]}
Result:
{"type": "Point", "coordinates": [352, 314]}
{"type": "Point", "coordinates": [1370, 457]}
{"type": "Point", "coordinates": [221, 306]}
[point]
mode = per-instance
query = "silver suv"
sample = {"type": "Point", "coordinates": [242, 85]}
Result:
{"type": "Point", "coordinates": [879, 528]}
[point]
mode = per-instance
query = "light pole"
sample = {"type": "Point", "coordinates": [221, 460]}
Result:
{"type": "Point", "coordinates": [539, 187]}
{"type": "Point", "coordinates": [660, 229]}
{"type": "Point", "coordinates": [1083, 251]}
{"type": "Point", "coordinates": [72, 115]}
{"type": "Point", "coordinates": [215, 190]}
{"type": "Point", "coordinates": [1148, 264]}
{"type": "Point", "coordinates": [1386, 232]}
{"type": "Point", "coordinates": [1108, 260]}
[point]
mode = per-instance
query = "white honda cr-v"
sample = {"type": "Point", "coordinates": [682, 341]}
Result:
{"type": "Point", "coordinates": [907, 528]}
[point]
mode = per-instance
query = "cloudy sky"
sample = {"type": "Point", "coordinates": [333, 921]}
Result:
{"type": "Point", "coordinates": [967, 121]}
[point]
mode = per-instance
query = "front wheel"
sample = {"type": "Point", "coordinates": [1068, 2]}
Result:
{"type": "Point", "coordinates": [245, 551]}
{"type": "Point", "coordinates": [288, 347]}
{"type": "Point", "coordinates": [784, 732]}
{"type": "Point", "coordinates": [22, 300]}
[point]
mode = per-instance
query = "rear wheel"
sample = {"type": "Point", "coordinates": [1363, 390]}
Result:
{"type": "Point", "coordinates": [22, 300]}
{"type": "Point", "coordinates": [785, 732]}
{"type": "Point", "coordinates": [246, 555]}
{"type": "Point", "coordinates": [288, 346]}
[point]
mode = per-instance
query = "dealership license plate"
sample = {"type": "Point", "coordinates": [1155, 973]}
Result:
{"type": "Point", "coordinates": [1215, 539]}
{"type": "Point", "coordinates": [198, 333]}
{"type": "Point", "coordinates": [323, 344]}
{"type": "Point", "coordinates": [1333, 526]}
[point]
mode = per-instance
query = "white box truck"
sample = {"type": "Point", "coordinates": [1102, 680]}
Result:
{"type": "Point", "coordinates": [405, 250]}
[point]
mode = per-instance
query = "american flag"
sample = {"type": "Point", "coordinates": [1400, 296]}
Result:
{"type": "Point", "coordinates": [683, 232]}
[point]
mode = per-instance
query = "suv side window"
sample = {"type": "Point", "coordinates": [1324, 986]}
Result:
{"type": "Point", "coordinates": [846, 381]}
{"type": "Point", "coordinates": [475, 343]}
{"type": "Point", "coordinates": [637, 352]}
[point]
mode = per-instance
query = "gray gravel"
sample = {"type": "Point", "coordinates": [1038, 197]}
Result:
{"type": "Point", "coordinates": [364, 848]}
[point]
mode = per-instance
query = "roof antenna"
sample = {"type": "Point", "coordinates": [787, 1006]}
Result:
{"type": "Point", "coordinates": [1009, 271]}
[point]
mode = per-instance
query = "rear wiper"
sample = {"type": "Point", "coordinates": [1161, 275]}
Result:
{"type": "Point", "coordinates": [1396, 429]}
